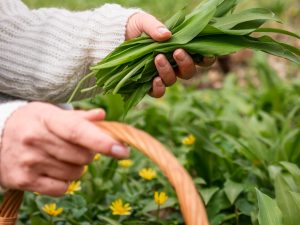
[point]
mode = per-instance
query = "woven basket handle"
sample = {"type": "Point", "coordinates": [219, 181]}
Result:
{"type": "Point", "coordinates": [192, 207]}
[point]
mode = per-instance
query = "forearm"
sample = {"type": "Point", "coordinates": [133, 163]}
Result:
{"type": "Point", "coordinates": [45, 52]}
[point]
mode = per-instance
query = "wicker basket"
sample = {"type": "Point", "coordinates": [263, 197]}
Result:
{"type": "Point", "coordinates": [191, 205]}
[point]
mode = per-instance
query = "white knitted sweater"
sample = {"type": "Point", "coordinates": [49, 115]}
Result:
{"type": "Point", "coordinates": [45, 52]}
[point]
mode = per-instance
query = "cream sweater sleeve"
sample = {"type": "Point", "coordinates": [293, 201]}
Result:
{"type": "Point", "coordinates": [45, 52]}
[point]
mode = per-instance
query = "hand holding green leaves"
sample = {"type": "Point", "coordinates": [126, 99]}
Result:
{"type": "Point", "coordinates": [141, 23]}
{"type": "Point", "coordinates": [211, 29]}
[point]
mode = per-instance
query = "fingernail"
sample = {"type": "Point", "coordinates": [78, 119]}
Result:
{"type": "Point", "coordinates": [119, 151]}
{"type": "Point", "coordinates": [209, 60]}
{"type": "Point", "coordinates": [160, 83]}
{"type": "Point", "coordinates": [163, 30]}
{"type": "Point", "coordinates": [161, 61]}
{"type": "Point", "coordinates": [180, 56]}
{"type": "Point", "coordinates": [96, 111]}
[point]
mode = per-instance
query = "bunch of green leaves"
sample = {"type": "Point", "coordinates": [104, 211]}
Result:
{"type": "Point", "coordinates": [211, 29]}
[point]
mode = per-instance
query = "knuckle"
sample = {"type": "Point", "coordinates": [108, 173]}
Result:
{"type": "Point", "coordinates": [54, 188]}
{"type": "Point", "coordinates": [77, 173]}
{"type": "Point", "coordinates": [59, 191]}
{"type": "Point", "coordinates": [29, 136]}
{"type": "Point", "coordinates": [85, 158]}
{"type": "Point", "coordinates": [170, 80]}
{"type": "Point", "coordinates": [56, 191]}
{"type": "Point", "coordinates": [74, 132]}
{"type": "Point", "coordinates": [29, 161]}
{"type": "Point", "coordinates": [24, 182]}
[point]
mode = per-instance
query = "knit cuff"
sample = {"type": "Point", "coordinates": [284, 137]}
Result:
{"type": "Point", "coordinates": [108, 29]}
{"type": "Point", "coordinates": [6, 109]}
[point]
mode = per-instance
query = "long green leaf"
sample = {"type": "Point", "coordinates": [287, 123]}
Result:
{"type": "Point", "coordinates": [192, 26]}
{"type": "Point", "coordinates": [278, 31]}
{"type": "Point", "coordinates": [137, 96]}
{"type": "Point", "coordinates": [225, 7]}
{"type": "Point", "coordinates": [176, 20]}
{"type": "Point", "coordinates": [230, 21]}
{"type": "Point", "coordinates": [269, 213]}
{"type": "Point", "coordinates": [289, 205]}
{"type": "Point", "coordinates": [294, 170]}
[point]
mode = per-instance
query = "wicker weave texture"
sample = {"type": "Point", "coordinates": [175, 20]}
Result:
{"type": "Point", "coordinates": [191, 205]}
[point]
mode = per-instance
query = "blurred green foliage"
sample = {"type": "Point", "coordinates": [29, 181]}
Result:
{"type": "Point", "coordinates": [245, 161]}
{"type": "Point", "coordinates": [163, 9]}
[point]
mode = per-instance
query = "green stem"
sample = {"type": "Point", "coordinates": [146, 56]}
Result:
{"type": "Point", "coordinates": [51, 220]}
{"type": "Point", "coordinates": [72, 221]}
{"type": "Point", "coordinates": [157, 215]}
{"type": "Point", "coordinates": [237, 216]}
{"type": "Point", "coordinates": [129, 75]}
{"type": "Point", "coordinates": [79, 85]}
{"type": "Point", "coordinates": [88, 89]}
{"type": "Point", "coordinates": [88, 219]}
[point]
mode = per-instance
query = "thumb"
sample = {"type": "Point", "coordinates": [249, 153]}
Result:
{"type": "Point", "coordinates": [145, 23]}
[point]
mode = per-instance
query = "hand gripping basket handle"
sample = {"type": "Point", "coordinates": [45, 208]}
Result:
{"type": "Point", "coordinates": [191, 205]}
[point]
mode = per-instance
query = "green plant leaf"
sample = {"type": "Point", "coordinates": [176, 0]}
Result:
{"type": "Point", "coordinates": [278, 31]}
{"type": "Point", "coordinates": [208, 193]}
{"type": "Point", "coordinates": [176, 20]}
{"type": "Point", "coordinates": [269, 213]}
{"type": "Point", "coordinates": [194, 24]}
{"type": "Point", "coordinates": [109, 221]}
{"type": "Point", "coordinates": [230, 21]}
{"type": "Point", "coordinates": [233, 190]}
{"type": "Point", "coordinates": [288, 202]}
{"type": "Point", "coordinates": [36, 220]}
{"type": "Point", "coordinates": [225, 7]}
{"type": "Point", "coordinates": [294, 170]}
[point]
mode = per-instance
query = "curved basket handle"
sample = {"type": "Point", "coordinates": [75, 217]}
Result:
{"type": "Point", "coordinates": [191, 205]}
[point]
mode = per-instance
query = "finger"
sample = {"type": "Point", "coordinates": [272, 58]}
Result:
{"type": "Point", "coordinates": [59, 170]}
{"type": "Point", "coordinates": [91, 115]}
{"type": "Point", "coordinates": [49, 186]}
{"type": "Point", "coordinates": [81, 132]}
{"type": "Point", "coordinates": [153, 27]}
{"type": "Point", "coordinates": [186, 65]}
{"type": "Point", "coordinates": [158, 88]}
{"type": "Point", "coordinates": [207, 61]}
{"type": "Point", "coordinates": [61, 150]}
{"type": "Point", "coordinates": [165, 70]}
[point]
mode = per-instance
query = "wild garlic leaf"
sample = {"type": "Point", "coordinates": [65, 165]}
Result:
{"type": "Point", "coordinates": [269, 213]}
{"type": "Point", "coordinates": [192, 26]}
{"type": "Point", "coordinates": [230, 21]}
{"type": "Point", "coordinates": [225, 7]}
{"type": "Point", "coordinates": [176, 20]}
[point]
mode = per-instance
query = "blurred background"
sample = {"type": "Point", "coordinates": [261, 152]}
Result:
{"type": "Point", "coordinates": [164, 8]}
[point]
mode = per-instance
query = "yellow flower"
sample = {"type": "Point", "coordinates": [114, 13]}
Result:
{"type": "Point", "coordinates": [126, 163]}
{"type": "Point", "coordinates": [147, 173]}
{"type": "Point", "coordinates": [160, 198]}
{"type": "Point", "coordinates": [52, 210]}
{"type": "Point", "coordinates": [97, 157]}
{"type": "Point", "coordinates": [189, 140]}
{"type": "Point", "coordinates": [86, 168]}
{"type": "Point", "coordinates": [73, 187]}
{"type": "Point", "coordinates": [118, 208]}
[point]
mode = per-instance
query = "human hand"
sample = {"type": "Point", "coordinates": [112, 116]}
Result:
{"type": "Point", "coordinates": [45, 147]}
{"type": "Point", "coordinates": [145, 23]}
